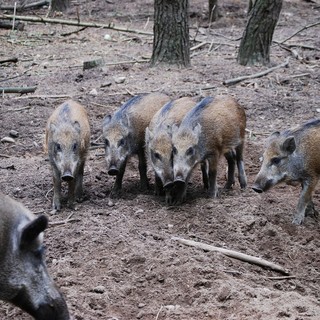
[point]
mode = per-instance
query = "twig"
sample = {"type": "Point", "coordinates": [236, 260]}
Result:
{"type": "Point", "coordinates": [75, 23]}
{"type": "Point", "coordinates": [159, 312]}
{"type": "Point", "coordinates": [44, 96]}
{"type": "Point", "coordinates": [73, 32]}
{"type": "Point", "coordinates": [17, 89]}
{"type": "Point", "coordinates": [33, 5]}
{"type": "Point", "coordinates": [282, 278]}
{"type": "Point", "coordinates": [59, 223]}
{"type": "Point", "coordinates": [233, 254]}
{"type": "Point", "coordinates": [4, 155]}
{"type": "Point", "coordinates": [256, 75]}
{"type": "Point", "coordinates": [300, 30]}
{"type": "Point", "coordinates": [19, 109]}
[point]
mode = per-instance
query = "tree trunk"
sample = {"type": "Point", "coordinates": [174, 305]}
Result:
{"type": "Point", "coordinates": [59, 5]}
{"type": "Point", "coordinates": [257, 37]}
{"type": "Point", "coordinates": [171, 33]}
{"type": "Point", "coordinates": [213, 10]}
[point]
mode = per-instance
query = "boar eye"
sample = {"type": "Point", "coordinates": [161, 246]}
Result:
{"type": "Point", "coordinates": [107, 143]}
{"type": "Point", "coordinates": [174, 150]}
{"type": "Point", "coordinates": [190, 151]}
{"type": "Point", "coordinates": [275, 160]}
{"type": "Point", "coordinates": [157, 155]}
{"type": "Point", "coordinates": [58, 147]}
{"type": "Point", "coordinates": [75, 146]}
{"type": "Point", "coordinates": [121, 142]}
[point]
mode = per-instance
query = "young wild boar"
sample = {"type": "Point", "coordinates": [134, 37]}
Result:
{"type": "Point", "coordinates": [24, 279]}
{"type": "Point", "coordinates": [159, 144]}
{"type": "Point", "coordinates": [292, 156]}
{"type": "Point", "coordinates": [67, 143]}
{"type": "Point", "coordinates": [214, 127]}
{"type": "Point", "coordinates": [124, 135]}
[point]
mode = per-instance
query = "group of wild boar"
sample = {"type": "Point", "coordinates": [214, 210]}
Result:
{"type": "Point", "coordinates": [172, 137]}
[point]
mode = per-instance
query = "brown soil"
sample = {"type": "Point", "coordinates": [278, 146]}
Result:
{"type": "Point", "coordinates": [119, 262]}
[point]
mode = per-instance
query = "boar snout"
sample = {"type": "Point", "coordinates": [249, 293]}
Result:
{"type": "Point", "coordinates": [67, 176]}
{"type": "Point", "coordinates": [169, 185]}
{"type": "Point", "coordinates": [260, 187]}
{"type": "Point", "coordinates": [57, 310]}
{"type": "Point", "coordinates": [257, 189]}
{"type": "Point", "coordinates": [113, 170]}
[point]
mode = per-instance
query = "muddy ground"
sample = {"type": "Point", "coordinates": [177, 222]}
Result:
{"type": "Point", "coordinates": [120, 262]}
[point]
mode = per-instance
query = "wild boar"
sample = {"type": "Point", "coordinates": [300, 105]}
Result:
{"type": "Point", "coordinates": [24, 279]}
{"type": "Point", "coordinates": [124, 136]}
{"type": "Point", "coordinates": [67, 142]}
{"type": "Point", "coordinates": [292, 157]}
{"type": "Point", "coordinates": [159, 144]}
{"type": "Point", "coordinates": [214, 127]}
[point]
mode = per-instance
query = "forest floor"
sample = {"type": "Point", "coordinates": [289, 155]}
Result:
{"type": "Point", "coordinates": [120, 262]}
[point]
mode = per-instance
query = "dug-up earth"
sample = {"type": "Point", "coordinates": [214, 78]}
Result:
{"type": "Point", "coordinates": [119, 261]}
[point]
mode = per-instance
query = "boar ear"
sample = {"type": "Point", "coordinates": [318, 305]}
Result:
{"type": "Point", "coordinates": [125, 120]}
{"type": "Point", "coordinates": [106, 120]}
{"type": "Point", "coordinates": [174, 128]}
{"type": "Point", "coordinates": [289, 145]}
{"type": "Point", "coordinates": [149, 135]}
{"type": "Point", "coordinates": [197, 129]}
{"type": "Point", "coordinates": [77, 126]}
{"type": "Point", "coordinates": [32, 230]}
{"type": "Point", "coordinates": [53, 127]}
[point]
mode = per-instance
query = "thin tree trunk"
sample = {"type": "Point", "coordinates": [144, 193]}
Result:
{"type": "Point", "coordinates": [257, 37]}
{"type": "Point", "coordinates": [213, 10]}
{"type": "Point", "coordinates": [171, 33]}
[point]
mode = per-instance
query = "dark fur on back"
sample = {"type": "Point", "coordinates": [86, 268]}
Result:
{"type": "Point", "coordinates": [119, 114]}
{"type": "Point", "coordinates": [196, 111]}
{"type": "Point", "coordinates": [313, 123]}
{"type": "Point", "coordinates": [166, 108]}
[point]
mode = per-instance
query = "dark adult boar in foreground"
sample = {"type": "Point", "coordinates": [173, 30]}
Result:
{"type": "Point", "coordinates": [124, 136]}
{"type": "Point", "coordinates": [24, 279]}
{"type": "Point", "coordinates": [214, 127]}
{"type": "Point", "coordinates": [293, 156]}
{"type": "Point", "coordinates": [67, 143]}
{"type": "Point", "coordinates": [159, 143]}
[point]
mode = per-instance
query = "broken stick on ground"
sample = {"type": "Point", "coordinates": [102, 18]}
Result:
{"type": "Point", "coordinates": [256, 75]}
{"type": "Point", "coordinates": [233, 254]}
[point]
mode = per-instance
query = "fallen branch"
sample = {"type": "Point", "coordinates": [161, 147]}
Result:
{"type": "Point", "coordinates": [19, 109]}
{"type": "Point", "coordinates": [74, 23]}
{"type": "Point", "coordinates": [233, 254]}
{"type": "Point", "coordinates": [300, 30]}
{"type": "Point", "coordinates": [256, 75]}
{"type": "Point", "coordinates": [14, 60]}
{"type": "Point", "coordinates": [21, 90]}
{"type": "Point", "coordinates": [282, 278]}
{"type": "Point", "coordinates": [33, 5]}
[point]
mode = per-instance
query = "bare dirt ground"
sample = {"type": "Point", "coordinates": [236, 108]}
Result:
{"type": "Point", "coordinates": [120, 262]}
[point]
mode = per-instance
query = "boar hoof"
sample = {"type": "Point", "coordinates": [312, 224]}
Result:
{"type": "Point", "coordinates": [257, 189]}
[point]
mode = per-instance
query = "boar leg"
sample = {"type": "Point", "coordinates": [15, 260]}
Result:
{"type": "Point", "coordinates": [213, 188]}
{"type": "Point", "coordinates": [205, 178]}
{"type": "Point", "coordinates": [158, 186]}
{"type": "Point", "coordinates": [118, 183]}
{"type": "Point", "coordinates": [304, 200]}
{"type": "Point", "coordinates": [79, 182]}
{"type": "Point", "coordinates": [56, 203]}
{"type": "Point", "coordinates": [230, 156]}
{"type": "Point", "coordinates": [144, 184]}
{"type": "Point", "coordinates": [71, 193]}
{"type": "Point", "coordinates": [241, 172]}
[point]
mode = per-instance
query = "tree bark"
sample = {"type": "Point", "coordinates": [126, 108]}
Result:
{"type": "Point", "coordinates": [256, 40]}
{"type": "Point", "coordinates": [59, 5]}
{"type": "Point", "coordinates": [171, 33]}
